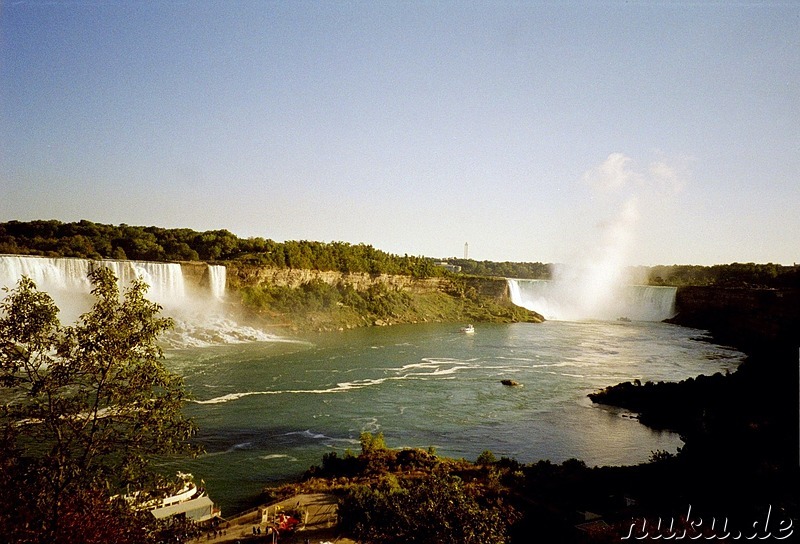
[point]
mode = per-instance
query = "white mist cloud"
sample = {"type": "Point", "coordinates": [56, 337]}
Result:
{"type": "Point", "coordinates": [613, 174]}
{"type": "Point", "coordinates": [665, 178]}
{"type": "Point", "coordinates": [620, 172]}
{"type": "Point", "coordinates": [593, 283]}
{"type": "Point", "coordinates": [618, 182]}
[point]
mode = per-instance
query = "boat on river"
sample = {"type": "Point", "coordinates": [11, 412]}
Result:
{"type": "Point", "coordinates": [189, 501]}
{"type": "Point", "coordinates": [468, 329]}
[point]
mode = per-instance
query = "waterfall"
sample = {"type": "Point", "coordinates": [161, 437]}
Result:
{"type": "Point", "coordinates": [198, 311]}
{"type": "Point", "coordinates": [165, 280]}
{"type": "Point", "coordinates": [217, 278]}
{"type": "Point", "coordinates": [66, 276]}
{"type": "Point", "coordinates": [560, 301]}
{"type": "Point", "coordinates": [48, 274]}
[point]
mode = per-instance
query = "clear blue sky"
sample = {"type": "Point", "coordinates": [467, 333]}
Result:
{"type": "Point", "coordinates": [667, 132]}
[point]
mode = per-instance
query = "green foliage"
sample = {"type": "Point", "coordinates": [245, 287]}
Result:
{"type": "Point", "coordinates": [377, 302]}
{"type": "Point", "coordinates": [573, 465]}
{"type": "Point", "coordinates": [94, 241]}
{"type": "Point", "coordinates": [375, 459]}
{"type": "Point", "coordinates": [727, 275]}
{"type": "Point", "coordinates": [311, 296]}
{"type": "Point", "coordinates": [84, 407]}
{"type": "Point", "coordinates": [533, 271]}
{"type": "Point", "coordinates": [316, 305]}
{"type": "Point", "coordinates": [410, 459]}
{"type": "Point", "coordinates": [433, 509]}
{"type": "Point", "coordinates": [372, 444]}
{"type": "Point", "coordinates": [486, 458]}
{"type": "Point", "coordinates": [333, 465]}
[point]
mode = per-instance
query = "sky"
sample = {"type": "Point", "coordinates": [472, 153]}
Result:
{"type": "Point", "coordinates": [641, 132]}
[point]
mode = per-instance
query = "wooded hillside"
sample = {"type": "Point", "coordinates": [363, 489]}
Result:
{"type": "Point", "coordinates": [89, 240]}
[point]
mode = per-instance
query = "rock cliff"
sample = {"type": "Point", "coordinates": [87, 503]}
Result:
{"type": "Point", "coordinates": [241, 275]}
{"type": "Point", "coordinates": [196, 276]}
{"type": "Point", "coordinates": [747, 318]}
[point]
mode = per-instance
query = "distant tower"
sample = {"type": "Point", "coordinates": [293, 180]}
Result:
{"type": "Point", "coordinates": [466, 250]}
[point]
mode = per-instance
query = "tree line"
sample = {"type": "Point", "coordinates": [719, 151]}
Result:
{"type": "Point", "coordinates": [767, 275]}
{"type": "Point", "coordinates": [88, 240]}
{"type": "Point", "coordinates": [505, 269]}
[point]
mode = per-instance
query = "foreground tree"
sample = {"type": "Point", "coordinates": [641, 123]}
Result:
{"type": "Point", "coordinates": [82, 407]}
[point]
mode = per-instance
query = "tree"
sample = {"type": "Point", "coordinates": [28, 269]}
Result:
{"type": "Point", "coordinates": [85, 406]}
{"type": "Point", "coordinates": [434, 509]}
{"type": "Point", "coordinates": [486, 458]}
{"type": "Point", "coordinates": [371, 443]}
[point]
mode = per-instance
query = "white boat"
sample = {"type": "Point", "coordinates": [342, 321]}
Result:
{"type": "Point", "coordinates": [469, 329]}
{"type": "Point", "coordinates": [189, 501]}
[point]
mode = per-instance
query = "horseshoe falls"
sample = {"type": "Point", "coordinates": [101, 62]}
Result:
{"type": "Point", "coordinates": [565, 301]}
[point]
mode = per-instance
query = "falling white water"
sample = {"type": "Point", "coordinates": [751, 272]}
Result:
{"type": "Point", "coordinates": [55, 274]}
{"type": "Point", "coordinates": [217, 275]}
{"type": "Point", "coordinates": [201, 318]}
{"type": "Point", "coordinates": [165, 280]}
{"type": "Point", "coordinates": [67, 280]}
{"type": "Point", "coordinates": [556, 301]}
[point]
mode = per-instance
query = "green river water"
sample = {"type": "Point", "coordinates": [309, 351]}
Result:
{"type": "Point", "coordinates": [268, 410]}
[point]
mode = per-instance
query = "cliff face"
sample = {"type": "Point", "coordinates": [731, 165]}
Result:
{"type": "Point", "coordinates": [196, 276]}
{"type": "Point", "coordinates": [747, 318]}
{"type": "Point", "coordinates": [248, 275]}
{"type": "Point", "coordinates": [496, 288]}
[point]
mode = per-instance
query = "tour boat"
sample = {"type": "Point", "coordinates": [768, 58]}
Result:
{"type": "Point", "coordinates": [190, 502]}
{"type": "Point", "coordinates": [469, 329]}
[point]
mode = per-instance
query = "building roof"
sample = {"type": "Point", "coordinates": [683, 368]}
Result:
{"type": "Point", "coordinates": [196, 509]}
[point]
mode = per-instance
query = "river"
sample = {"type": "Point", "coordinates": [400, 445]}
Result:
{"type": "Point", "coordinates": [268, 410]}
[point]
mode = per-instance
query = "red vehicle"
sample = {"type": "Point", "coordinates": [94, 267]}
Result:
{"type": "Point", "coordinates": [287, 523]}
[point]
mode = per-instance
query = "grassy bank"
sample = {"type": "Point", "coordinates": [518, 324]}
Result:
{"type": "Point", "coordinates": [319, 306]}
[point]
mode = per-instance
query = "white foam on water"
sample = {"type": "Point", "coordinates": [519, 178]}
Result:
{"type": "Point", "coordinates": [308, 434]}
{"type": "Point", "coordinates": [273, 456]}
{"type": "Point", "coordinates": [435, 366]}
